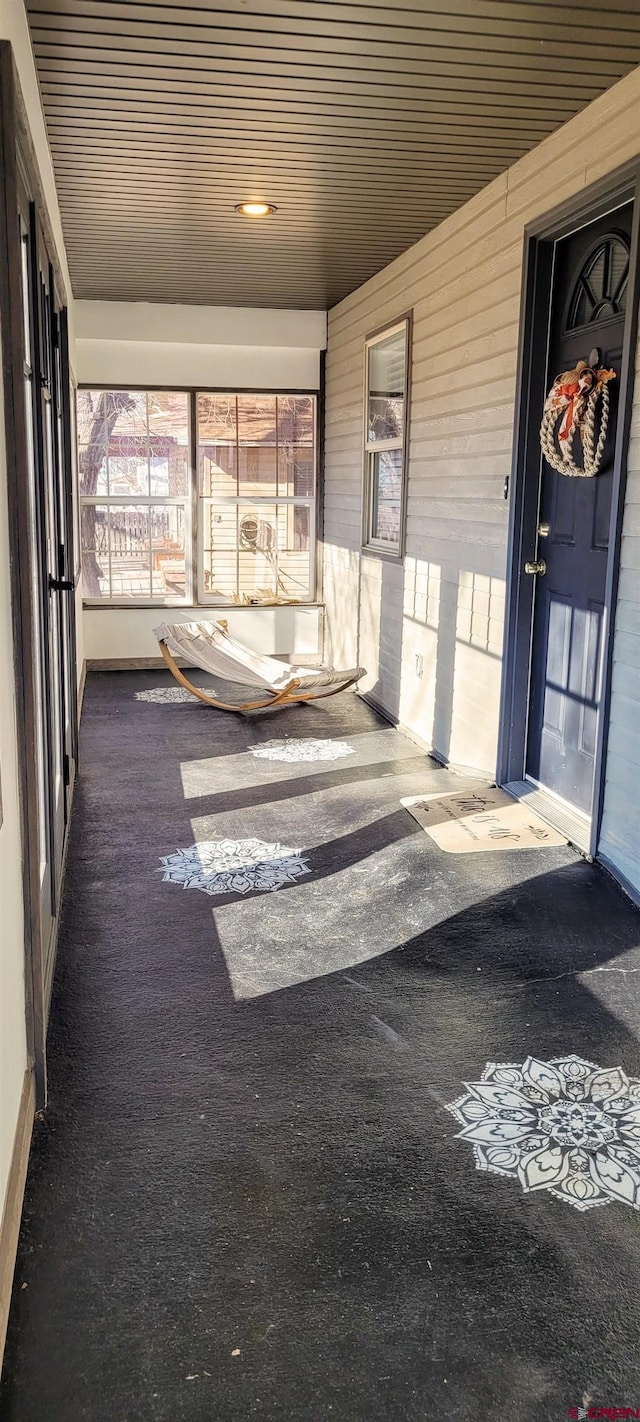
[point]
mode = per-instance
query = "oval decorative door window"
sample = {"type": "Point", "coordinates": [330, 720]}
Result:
{"type": "Point", "coordinates": [600, 289]}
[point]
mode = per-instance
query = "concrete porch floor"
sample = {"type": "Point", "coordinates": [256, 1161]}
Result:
{"type": "Point", "coordinates": [247, 1198]}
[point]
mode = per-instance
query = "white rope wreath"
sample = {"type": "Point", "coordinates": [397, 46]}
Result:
{"type": "Point", "coordinates": [572, 402]}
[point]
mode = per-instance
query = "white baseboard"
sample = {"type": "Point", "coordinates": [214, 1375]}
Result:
{"type": "Point", "coordinates": [453, 765]}
{"type": "Point", "coordinates": [12, 1213]}
{"type": "Point", "coordinates": [81, 686]}
{"type": "Point", "coordinates": [127, 664]}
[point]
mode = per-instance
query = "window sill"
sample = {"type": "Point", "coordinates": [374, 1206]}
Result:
{"type": "Point", "coordinates": [200, 607]}
{"type": "Point", "coordinates": [370, 551]}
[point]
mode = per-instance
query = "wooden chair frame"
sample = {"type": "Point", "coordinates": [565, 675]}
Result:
{"type": "Point", "coordinates": [287, 696]}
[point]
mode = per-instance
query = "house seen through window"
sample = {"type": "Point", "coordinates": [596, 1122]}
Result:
{"type": "Point", "coordinates": [236, 526]}
{"type": "Point", "coordinates": [387, 365]}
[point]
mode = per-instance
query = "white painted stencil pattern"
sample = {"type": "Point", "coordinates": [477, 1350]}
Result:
{"type": "Point", "coordinates": [566, 1126]}
{"type": "Point", "coordinates": [234, 866]}
{"type": "Point", "coordinates": [165, 694]}
{"type": "Point", "coordinates": [303, 749]}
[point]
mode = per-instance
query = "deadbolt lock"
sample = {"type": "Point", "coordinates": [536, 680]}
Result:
{"type": "Point", "coordinates": [543, 530]}
{"type": "Point", "coordinates": [540, 567]}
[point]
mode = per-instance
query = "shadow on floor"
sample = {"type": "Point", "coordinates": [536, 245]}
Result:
{"type": "Point", "coordinates": [247, 1199]}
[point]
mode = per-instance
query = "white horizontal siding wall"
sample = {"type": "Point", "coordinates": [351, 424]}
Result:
{"type": "Point", "coordinates": [445, 605]}
{"type": "Point", "coordinates": [620, 834]}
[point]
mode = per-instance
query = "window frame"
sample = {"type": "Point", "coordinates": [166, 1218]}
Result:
{"type": "Point", "coordinates": [268, 500]}
{"type": "Point", "coordinates": [194, 596]}
{"type": "Point", "coordinates": [369, 544]}
{"type": "Point", "coordinates": [146, 501]}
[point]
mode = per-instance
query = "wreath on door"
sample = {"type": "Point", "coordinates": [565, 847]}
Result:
{"type": "Point", "coordinates": [572, 405]}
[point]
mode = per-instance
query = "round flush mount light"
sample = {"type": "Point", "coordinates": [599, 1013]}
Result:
{"type": "Point", "coordinates": [255, 209]}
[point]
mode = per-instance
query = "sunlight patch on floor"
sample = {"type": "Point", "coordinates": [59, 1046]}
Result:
{"type": "Point", "coordinates": [328, 924]}
{"type": "Point", "coordinates": [224, 773]}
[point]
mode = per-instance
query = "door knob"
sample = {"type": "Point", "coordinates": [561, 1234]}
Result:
{"type": "Point", "coordinates": [540, 567]}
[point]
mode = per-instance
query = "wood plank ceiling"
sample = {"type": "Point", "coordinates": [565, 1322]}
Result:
{"type": "Point", "coordinates": [365, 124]}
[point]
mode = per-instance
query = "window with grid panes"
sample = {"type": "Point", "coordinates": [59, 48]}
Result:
{"type": "Point", "coordinates": [387, 385]}
{"type": "Point", "coordinates": [135, 495]}
{"type": "Point", "coordinates": [257, 485]}
{"type": "Point", "coordinates": [254, 499]}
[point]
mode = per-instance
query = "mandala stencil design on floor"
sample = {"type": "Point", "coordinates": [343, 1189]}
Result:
{"type": "Point", "coordinates": [566, 1126]}
{"type": "Point", "coordinates": [304, 749]}
{"type": "Point", "coordinates": [234, 866]}
{"type": "Point", "coordinates": [165, 694]}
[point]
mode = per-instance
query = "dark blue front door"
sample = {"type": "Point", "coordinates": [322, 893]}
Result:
{"type": "Point", "coordinates": [588, 307]}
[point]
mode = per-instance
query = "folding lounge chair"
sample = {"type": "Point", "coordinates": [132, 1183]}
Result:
{"type": "Point", "coordinates": [208, 645]}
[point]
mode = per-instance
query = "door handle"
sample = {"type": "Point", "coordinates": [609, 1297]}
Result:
{"type": "Point", "coordinates": [61, 584]}
{"type": "Point", "coordinates": [540, 567]}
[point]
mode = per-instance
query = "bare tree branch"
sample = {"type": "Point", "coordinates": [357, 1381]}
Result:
{"type": "Point", "coordinates": [111, 405]}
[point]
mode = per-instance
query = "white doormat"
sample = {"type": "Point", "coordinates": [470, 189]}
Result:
{"type": "Point", "coordinates": [480, 819]}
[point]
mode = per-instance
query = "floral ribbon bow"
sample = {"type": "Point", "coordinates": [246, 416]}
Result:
{"type": "Point", "coordinates": [570, 392]}
{"type": "Point", "coordinates": [571, 403]}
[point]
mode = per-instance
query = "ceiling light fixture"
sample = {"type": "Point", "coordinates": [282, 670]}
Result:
{"type": "Point", "coordinates": [255, 209]}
